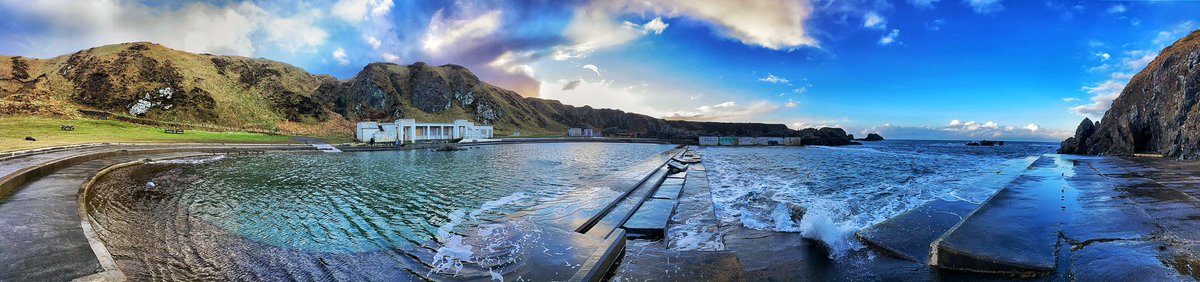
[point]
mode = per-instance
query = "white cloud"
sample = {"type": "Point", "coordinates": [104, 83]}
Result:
{"type": "Point", "coordinates": [297, 33]}
{"type": "Point", "coordinates": [656, 26]}
{"type": "Point", "coordinates": [1116, 9]}
{"type": "Point", "coordinates": [389, 57]}
{"type": "Point", "coordinates": [339, 55]}
{"type": "Point", "coordinates": [374, 42]}
{"type": "Point", "coordinates": [444, 32]}
{"type": "Point", "coordinates": [355, 11]}
{"type": "Point", "coordinates": [196, 27]}
{"type": "Point", "coordinates": [923, 4]}
{"type": "Point", "coordinates": [773, 24]}
{"type": "Point", "coordinates": [771, 78]}
{"type": "Point", "coordinates": [874, 20]}
{"type": "Point", "coordinates": [1138, 59]}
{"type": "Point", "coordinates": [593, 68]}
{"type": "Point", "coordinates": [1177, 31]}
{"type": "Point", "coordinates": [791, 104]}
{"type": "Point", "coordinates": [510, 62]}
{"type": "Point", "coordinates": [985, 6]}
{"type": "Point", "coordinates": [971, 130]}
{"type": "Point", "coordinates": [1102, 96]}
{"type": "Point", "coordinates": [890, 37]}
{"type": "Point", "coordinates": [1070, 99]}
{"type": "Point", "coordinates": [800, 90]}
{"type": "Point", "coordinates": [599, 94]}
{"type": "Point", "coordinates": [727, 111]}
{"type": "Point", "coordinates": [1103, 56]}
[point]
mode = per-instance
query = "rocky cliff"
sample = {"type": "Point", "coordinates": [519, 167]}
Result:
{"type": "Point", "coordinates": [1157, 112]}
{"type": "Point", "coordinates": [152, 82]}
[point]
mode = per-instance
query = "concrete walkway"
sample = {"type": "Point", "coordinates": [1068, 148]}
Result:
{"type": "Point", "coordinates": [39, 209]}
{"type": "Point", "coordinates": [42, 233]}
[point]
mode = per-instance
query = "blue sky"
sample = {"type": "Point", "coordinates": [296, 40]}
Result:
{"type": "Point", "coordinates": [912, 69]}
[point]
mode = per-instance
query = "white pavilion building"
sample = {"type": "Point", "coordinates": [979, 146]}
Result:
{"type": "Point", "coordinates": [409, 131]}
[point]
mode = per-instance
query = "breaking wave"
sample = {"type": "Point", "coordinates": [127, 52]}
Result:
{"type": "Point", "coordinates": [829, 193]}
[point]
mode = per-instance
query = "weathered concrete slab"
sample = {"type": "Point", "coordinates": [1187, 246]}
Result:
{"type": "Point", "coordinates": [668, 192]}
{"type": "Point", "coordinates": [908, 235]}
{"type": "Point", "coordinates": [652, 261]}
{"type": "Point", "coordinates": [694, 226]}
{"type": "Point", "coordinates": [650, 220]}
{"type": "Point", "coordinates": [1121, 261]}
{"type": "Point", "coordinates": [1015, 231]}
{"type": "Point", "coordinates": [674, 181]}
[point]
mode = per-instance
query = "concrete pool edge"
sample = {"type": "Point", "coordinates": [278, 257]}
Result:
{"type": "Point", "coordinates": [10, 183]}
{"type": "Point", "coordinates": [111, 271]}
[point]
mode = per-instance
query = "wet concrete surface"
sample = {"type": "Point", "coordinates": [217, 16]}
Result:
{"type": "Point", "coordinates": [693, 248]}
{"type": "Point", "coordinates": [43, 240]}
{"type": "Point", "coordinates": [908, 235]}
{"type": "Point", "coordinates": [1015, 231]}
{"type": "Point", "coordinates": [650, 220]}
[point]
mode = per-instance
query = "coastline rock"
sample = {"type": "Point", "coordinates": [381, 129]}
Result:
{"type": "Point", "coordinates": [1076, 145]}
{"type": "Point", "coordinates": [1158, 112]}
{"type": "Point", "coordinates": [873, 137]}
{"type": "Point", "coordinates": [826, 136]}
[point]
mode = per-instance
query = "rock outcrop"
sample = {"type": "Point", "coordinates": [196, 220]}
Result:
{"type": "Point", "coordinates": [1158, 112]}
{"type": "Point", "coordinates": [873, 137]}
{"type": "Point", "coordinates": [1076, 144]}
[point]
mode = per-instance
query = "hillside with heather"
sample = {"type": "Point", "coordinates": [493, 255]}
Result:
{"type": "Point", "coordinates": [149, 82]}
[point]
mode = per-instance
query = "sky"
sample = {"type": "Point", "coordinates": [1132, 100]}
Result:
{"type": "Point", "coordinates": [907, 69]}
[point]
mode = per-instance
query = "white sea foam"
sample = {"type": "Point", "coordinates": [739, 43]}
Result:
{"type": "Point", "coordinates": [457, 250]}
{"type": "Point", "coordinates": [191, 160]}
{"type": "Point", "coordinates": [844, 189]}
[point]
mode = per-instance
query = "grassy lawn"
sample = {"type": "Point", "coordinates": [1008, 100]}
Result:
{"type": "Point", "coordinates": [47, 131]}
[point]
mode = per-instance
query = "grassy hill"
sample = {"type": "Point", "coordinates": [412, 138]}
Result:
{"type": "Point", "coordinates": [151, 84]}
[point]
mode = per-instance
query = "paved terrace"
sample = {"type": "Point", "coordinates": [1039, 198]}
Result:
{"type": "Point", "coordinates": [1064, 218]}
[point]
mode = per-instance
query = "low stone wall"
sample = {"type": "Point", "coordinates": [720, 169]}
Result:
{"type": "Point", "coordinates": [11, 182]}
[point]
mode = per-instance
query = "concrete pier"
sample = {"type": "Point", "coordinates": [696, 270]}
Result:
{"type": "Point", "coordinates": [909, 235]}
{"type": "Point", "coordinates": [1015, 231]}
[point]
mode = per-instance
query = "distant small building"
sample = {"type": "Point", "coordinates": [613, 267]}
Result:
{"type": "Point", "coordinates": [516, 134]}
{"type": "Point", "coordinates": [582, 132]}
{"type": "Point", "coordinates": [748, 141]}
{"type": "Point", "coordinates": [727, 141]}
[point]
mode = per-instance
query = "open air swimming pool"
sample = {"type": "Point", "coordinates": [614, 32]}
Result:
{"type": "Point", "coordinates": [350, 216]}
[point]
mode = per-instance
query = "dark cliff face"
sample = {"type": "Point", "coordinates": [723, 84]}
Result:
{"type": "Point", "coordinates": [1156, 113]}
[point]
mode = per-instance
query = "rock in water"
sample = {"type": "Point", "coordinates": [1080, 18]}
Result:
{"type": "Point", "coordinates": [873, 137]}
{"type": "Point", "coordinates": [1158, 112]}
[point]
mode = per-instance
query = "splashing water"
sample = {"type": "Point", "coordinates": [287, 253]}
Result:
{"type": "Point", "coordinates": [829, 193]}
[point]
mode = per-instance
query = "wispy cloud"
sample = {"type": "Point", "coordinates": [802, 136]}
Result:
{"type": "Point", "coordinates": [726, 111]}
{"type": "Point", "coordinates": [890, 38]}
{"type": "Point", "coordinates": [874, 21]}
{"type": "Point", "coordinates": [771, 78]}
{"type": "Point", "coordinates": [985, 6]}
{"type": "Point", "coordinates": [970, 130]}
